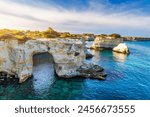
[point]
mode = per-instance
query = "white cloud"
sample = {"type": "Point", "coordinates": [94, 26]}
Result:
{"type": "Point", "coordinates": [21, 16]}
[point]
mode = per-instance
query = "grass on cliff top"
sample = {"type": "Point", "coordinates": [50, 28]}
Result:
{"type": "Point", "coordinates": [23, 36]}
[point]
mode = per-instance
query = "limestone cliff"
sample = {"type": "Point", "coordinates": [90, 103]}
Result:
{"type": "Point", "coordinates": [68, 54]}
{"type": "Point", "coordinates": [106, 42]}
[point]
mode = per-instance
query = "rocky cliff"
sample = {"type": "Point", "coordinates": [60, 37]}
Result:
{"type": "Point", "coordinates": [106, 42]}
{"type": "Point", "coordinates": [68, 54]}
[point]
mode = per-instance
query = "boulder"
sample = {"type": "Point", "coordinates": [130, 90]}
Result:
{"type": "Point", "coordinates": [121, 48]}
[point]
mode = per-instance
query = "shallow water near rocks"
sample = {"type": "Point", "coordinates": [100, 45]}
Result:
{"type": "Point", "coordinates": [128, 78]}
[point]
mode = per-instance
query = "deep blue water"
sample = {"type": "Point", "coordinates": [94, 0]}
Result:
{"type": "Point", "coordinates": [128, 78]}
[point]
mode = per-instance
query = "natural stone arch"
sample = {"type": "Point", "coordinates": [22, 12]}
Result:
{"type": "Point", "coordinates": [41, 62]}
{"type": "Point", "coordinates": [42, 58]}
{"type": "Point", "coordinates": [68, 54]}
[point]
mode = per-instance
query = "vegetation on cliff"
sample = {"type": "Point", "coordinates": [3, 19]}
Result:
{"type": "Point", "coordinates": [27, 35]}
{"type": "Point", "coordinates": [49, 33]}
{"type": "Point", "coordinates": [115, 35]}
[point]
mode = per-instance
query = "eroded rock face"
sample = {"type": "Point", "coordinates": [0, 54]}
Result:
{"type": "Point", "coordinates": [105, 43]}
{"type": "Point", "coordinates": [17, 59]}
{"type": "Point", "coordinates": [121, 48]}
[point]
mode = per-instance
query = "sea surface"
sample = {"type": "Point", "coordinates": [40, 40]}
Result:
{"type": "Point", "coordinates": [128, 78]}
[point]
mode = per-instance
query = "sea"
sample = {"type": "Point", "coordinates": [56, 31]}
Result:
{"type": "Point", "coordinates": [128, 78]}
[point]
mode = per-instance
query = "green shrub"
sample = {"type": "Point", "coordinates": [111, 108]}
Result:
{"type": "Point", "coordinates": [115, 35]}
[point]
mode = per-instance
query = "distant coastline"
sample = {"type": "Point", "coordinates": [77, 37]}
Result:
{"type": "Point", "coordinates": [24, 35]}
{"type": "Point", "coordinates": [131, 38]}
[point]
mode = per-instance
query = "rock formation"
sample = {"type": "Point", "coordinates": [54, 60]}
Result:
{"type": "Point", "coordinates": [92, 71]}
{"type": "Point", "coordinates": [121, 48]}
{"type": "Point", "coordinates": [105, 42]}
{"type": "Point", "coordinates": [68, 54]}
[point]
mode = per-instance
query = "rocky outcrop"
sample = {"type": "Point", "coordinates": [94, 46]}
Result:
{"type": "Point", "coordinates": [92, 71]}
{"type": "Point", "coordinates": [68, 54]}
{"type": "Point", "coordinates": [121, 48]}
{"type": "Point", "coordinates": [5, 77]}
{"type": "Point", "coordinates": [105, 42]}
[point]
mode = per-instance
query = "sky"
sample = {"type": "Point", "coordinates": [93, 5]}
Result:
{"type": "Point", "coordinates": [126, 17]}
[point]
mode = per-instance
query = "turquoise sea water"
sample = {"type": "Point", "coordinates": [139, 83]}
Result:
{"type": "Point", "coordinates": [128, 78]}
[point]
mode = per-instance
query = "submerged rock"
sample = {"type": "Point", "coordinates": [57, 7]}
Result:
{"type": "Point", "coordinates": [121, 48]}
{"type": "Point", "coordinates": [101, 43]}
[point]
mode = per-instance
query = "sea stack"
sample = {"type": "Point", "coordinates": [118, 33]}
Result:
{"type": "Point", "coordinates": [106, 42]}
{"type": "Point", "coordinates": [121, 48]}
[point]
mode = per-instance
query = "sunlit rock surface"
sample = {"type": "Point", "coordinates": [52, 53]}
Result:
{"type": "Point", "coordinates": [68, 54]}
{"type": "Point", "coordinates": [105, 43]}
{"type": "Point", "coordinates": [121, 48]}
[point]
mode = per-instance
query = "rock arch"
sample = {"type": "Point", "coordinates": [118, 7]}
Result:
{"type": "Point", "coordinates": [68, 54]}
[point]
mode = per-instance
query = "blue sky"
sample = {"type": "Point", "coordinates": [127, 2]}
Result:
{"type": "Point", "coordinates": [126, 17]}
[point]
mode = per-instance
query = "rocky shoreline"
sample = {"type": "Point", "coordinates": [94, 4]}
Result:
{"type": "Point", "coordinates": [68, 54]}
{"type": "Point", "coordinates": [5, 77]}
{"type": "Point", "coordinates": [68, 51]}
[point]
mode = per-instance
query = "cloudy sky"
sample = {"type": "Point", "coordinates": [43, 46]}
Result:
{"type": "Point", "coordinates": [126, 17]}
